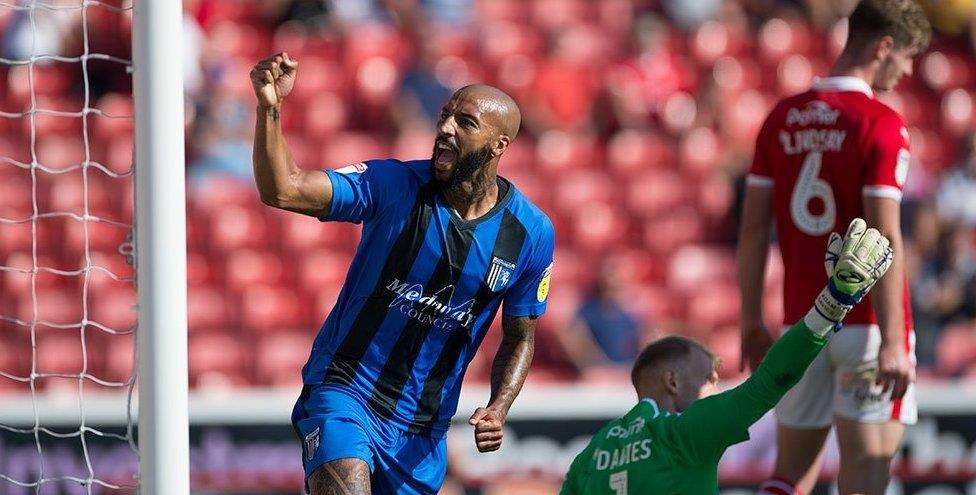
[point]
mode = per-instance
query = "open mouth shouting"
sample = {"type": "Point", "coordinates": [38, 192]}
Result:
{"type": "Point", "coordinates": [445, 156]}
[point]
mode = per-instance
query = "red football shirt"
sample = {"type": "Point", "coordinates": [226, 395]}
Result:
{"type": "Point", "coordinates": [821, 152]}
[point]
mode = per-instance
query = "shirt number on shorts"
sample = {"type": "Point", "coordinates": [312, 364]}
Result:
{"type": "Point", "coordinates": [809, 185]}
{"type": "Point", "coordinates": [618, 483]}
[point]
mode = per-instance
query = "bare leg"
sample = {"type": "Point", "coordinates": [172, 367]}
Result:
{"type": "Point", "coordinates": [798, 455]}
{"type": "Point", "coordinates": [866, 450]}
{"type": "Point", "coordinates": [341, 477]}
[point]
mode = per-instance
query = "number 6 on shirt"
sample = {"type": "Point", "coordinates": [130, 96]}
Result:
{"type": "Point", "coordinates": [809, 185]}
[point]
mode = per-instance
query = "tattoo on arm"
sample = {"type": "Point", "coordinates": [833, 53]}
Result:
{"type": "Point", "coordinates": [511, 364]}
{"type": "Point", "coordinates": [341, 477]}
{"type": "Point", "coordinates": [275, 114]}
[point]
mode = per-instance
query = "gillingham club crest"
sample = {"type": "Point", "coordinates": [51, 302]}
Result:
{"type": "Point", "coordinates": [499, 274]}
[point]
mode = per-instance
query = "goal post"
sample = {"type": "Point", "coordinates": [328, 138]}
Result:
{"type": "Point", "coordinates": [157, 61]}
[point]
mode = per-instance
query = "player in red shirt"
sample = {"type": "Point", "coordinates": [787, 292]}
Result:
{"type": "Point", "coordinates": [822, 158]}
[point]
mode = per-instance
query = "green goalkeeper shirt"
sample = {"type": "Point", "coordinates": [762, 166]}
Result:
{"type": "Point", "coordinates": [649, 451]}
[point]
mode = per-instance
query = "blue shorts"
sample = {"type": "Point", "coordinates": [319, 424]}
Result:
{"type": "Point", "coordinates": [332, 423]}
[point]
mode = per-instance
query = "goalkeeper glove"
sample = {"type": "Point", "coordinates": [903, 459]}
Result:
{"type": "Point", "coordinates": [854, 264]}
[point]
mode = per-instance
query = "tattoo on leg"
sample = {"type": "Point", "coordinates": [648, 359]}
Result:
{"type": "Point", "coordinates": [341, 477]}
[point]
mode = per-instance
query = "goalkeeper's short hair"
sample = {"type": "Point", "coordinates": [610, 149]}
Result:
{"type": "Point", "coordinates": [664, 350]}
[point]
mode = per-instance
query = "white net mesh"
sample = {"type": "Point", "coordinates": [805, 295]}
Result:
{"type": "Point", "coordinates": [67, 296]}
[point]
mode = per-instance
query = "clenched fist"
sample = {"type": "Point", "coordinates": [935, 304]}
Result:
{"type": "Point", "coordinates": [488, 424]}
{"type": "Point", "coordinates": [273, 78]}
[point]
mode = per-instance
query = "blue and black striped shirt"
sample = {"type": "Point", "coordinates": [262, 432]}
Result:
{"type": "Point", "coordinates": [423, 289]}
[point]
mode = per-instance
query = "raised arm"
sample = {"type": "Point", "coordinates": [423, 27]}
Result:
{"type": "Point", "coordinates": [710, 425]}
{"type": "Point", "coordinates": [281, 183]}
{"type": "Point", "coordinates": [508, 372]}
{"type": "Point", "coordinates": [753, 250]}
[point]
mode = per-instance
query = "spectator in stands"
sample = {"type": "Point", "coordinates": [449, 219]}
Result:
{"type": "Point", "coordinates": [421, 92]}
{"type": "Point", "coordinates": [222, 140]}
{"type": "Point", "coordinates": [945, 288]}
{"type": "Point", "coordinates": [956, 197]}
{"type": "Point", "coordinates": [604, 332]}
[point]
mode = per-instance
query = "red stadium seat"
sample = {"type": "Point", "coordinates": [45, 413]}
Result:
{"type": "Point", "coordinates": [67, 192]}
{"type": "Point", "coordinates": [15, 195]}
{"type": "Point", "coordinates": [556, 14]}
{"type": "Point", "coordinates": [599, 226]}
{"type": "Point", "coordinates": [650, 303]}
{"type": "Point", "coordinates": [779, 38]}
{"type": "Point", "coordinates": [112, 261]}
{"type": "Point", "coordinates": [417, 144]}
{"type": "Point", "coordinates": [956, 349]}
{"type": "Point", "coordinates": [303, 233]}
{"type": "Point", "coordinates": [216, 355]}
{"type": "Point", "coordinates": [692, 267]}
{"type": "Point", "coordinates": [59, 351]}
{"type": "Point", "coordinates": [280, 357]}
{"type": "Point", "coordinates": [322, 268]}
{"type": "Point", "coordinates": [374, 40]}
{"type": "Point", "coordinates": [701, 149]}
{"type": "Point", "coordinates": [712, 40]}
{"type": "Point", "coordinates": [231, 38]}
{"type": "Point", "coordinates": [217, 193]}
{"type": "Point", "coordinates": [733, 75]}
{"type": "Point", "coordinates": [117, 116]}
{"type": "Point", "coordinates": [325, 114]}
{"type": "Point", "coordinates": [272, 308]}
{"type": "Point", "coordinates": [559, 151]}
{"type": "Point", "coordinates": [581, 188]}
{"type": "Point", "coordinates": [237, 227]}
{"type": "Point", "coordinates": [16, 237]}
{"type": "Point", "coordinates": [59, 152]}
{"type": "Point", "coordinates": [958, 111]}
{"type": "Point", "coordinates": [114, 307]}
{"type": "Point", "coordinates": [319, 76]}
{"type": "Point", "coordinates": [53, 305]}
{"type": "Point", "coordinates": [714, 304]}
{"type": "Point", "coordinates": [101, 236]}
{"type": "Point", "coordinates": [563, 302]}
{"type": "Point", "coordinates": [941, 70]}
{"type": "Point", "coordinates": [118, 357]}
{"type": "Point", "coordinates": [715, 196]}
{"type": "Point", "coordinates": [679, 112]}
{"type": "Point", "coordinates": [208, 308]}
{"type": "Point", "coordinates": [794, 75]}
{"type": "Point", "coordinates": [681, 227]}
{"type": "Point", "coordinates": [247, 267]}
{"type": "Point", "coordinates": [15, 354]}
{"type": "Point", "coordinates": [348, 148]}
{"type": "Point", "coordinates": [200, 270]}
{"type": "Point", "coordinates": [118, 155]}
{"type": "Point", "coordinates": [656, 191]}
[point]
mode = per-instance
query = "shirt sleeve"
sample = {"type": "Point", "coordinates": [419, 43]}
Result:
{"type": "Point", "coordinates": [573, 484]}
{"type": "Point", "coordinates": [761, 171]}
{"type": "Point", "coordinates": [529, 294]}
{"type": "Point", "coordinates": [361, 190]}
{"type": "Point", "coordinates": [712, 424]}
{"type": "Point", "coordinates": [888, 157]}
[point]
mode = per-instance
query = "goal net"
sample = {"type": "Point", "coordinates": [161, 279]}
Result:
{"type": "Point", "coordinates": [67, 293]}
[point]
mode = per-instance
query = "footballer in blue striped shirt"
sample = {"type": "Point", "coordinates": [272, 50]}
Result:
{"type": "Point", "coordinates": [445, 243]}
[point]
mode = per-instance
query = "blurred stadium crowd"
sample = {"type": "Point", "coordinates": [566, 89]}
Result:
{"type": "Point", "coordinates": [639, 124]}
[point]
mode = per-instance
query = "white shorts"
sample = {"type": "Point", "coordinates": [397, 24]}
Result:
{"type": "Point", "coordinates": [840, 382]}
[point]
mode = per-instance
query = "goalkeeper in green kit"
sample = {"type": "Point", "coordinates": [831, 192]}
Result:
{"type": "Point", "coordinates": [671, 441]}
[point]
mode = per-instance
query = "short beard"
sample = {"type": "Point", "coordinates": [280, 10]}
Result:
{"type": "Point", "coordinates": [469, 168]}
